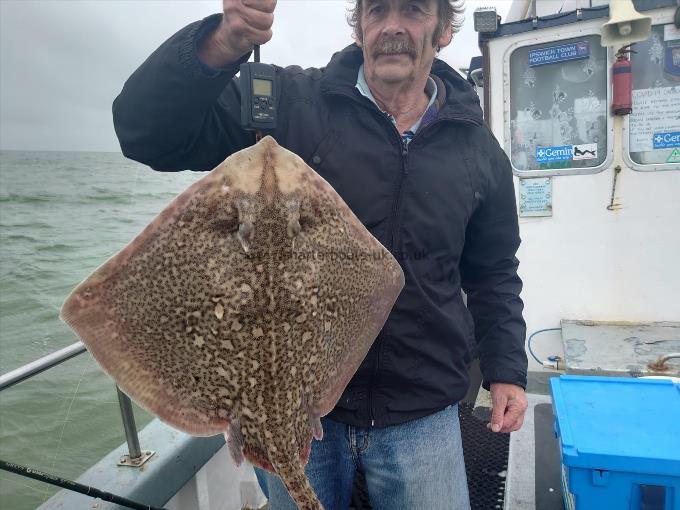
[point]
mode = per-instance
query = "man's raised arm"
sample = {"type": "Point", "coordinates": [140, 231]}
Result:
{"type": "Point", "coordinates": [181, 108]}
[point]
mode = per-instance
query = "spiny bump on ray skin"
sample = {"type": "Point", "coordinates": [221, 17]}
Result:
{"type": "Point", "coordinates": [244, 308]}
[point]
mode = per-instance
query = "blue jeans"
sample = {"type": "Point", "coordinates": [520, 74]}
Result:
{"type": "Point", "coordinates": [413, 466]}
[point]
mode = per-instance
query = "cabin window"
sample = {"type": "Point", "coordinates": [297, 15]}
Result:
{"type": "Point", "coordinates": [558, 106]}
{"type": "Point", "coordinates": [654, 125]}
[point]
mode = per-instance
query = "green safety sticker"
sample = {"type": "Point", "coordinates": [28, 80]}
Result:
{"type": "Point", "coordinates": [674, 157]}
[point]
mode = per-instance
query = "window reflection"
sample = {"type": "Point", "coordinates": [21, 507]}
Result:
{"type": "Point", "coordinates": [656, 98]}
{"type": "Point", "coordinates": [558, 110]}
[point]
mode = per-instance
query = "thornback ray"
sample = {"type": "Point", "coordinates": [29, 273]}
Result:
{"type": "Point", "coordinates": [243, 308]}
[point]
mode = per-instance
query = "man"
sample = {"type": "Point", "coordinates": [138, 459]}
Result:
{"type": "Point", "coordinates": [400, 136]}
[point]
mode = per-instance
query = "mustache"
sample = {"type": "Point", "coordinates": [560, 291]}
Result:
{"type": "Point", "coordinates": [391, 46]}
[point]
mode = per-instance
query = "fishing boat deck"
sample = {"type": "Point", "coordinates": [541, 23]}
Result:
{"type": "Point", "coordinates": [519, 471]}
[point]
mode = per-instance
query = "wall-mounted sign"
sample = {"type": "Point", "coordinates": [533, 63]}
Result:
{"type": "Point", "coordinates": [563, 153]}
{"type": "Point", "coordinates": [562, 53]}
{"type": "Point", "coordinates": [585, 151]}
{"type": "Point", "coordinates": [671, 32]}
{"type": "Point", "coordinates": [674, 157]}
{"type": "Point", "coordinates": [666, 140]}
{"type": "Point", "coordinates": [535, 197]}
{"type": "Point", "coordinates": [671, 59]}
{"type": "Point", "coordinates": [650, 117]}
{"type": "Point", "coordinates": [549, 154]}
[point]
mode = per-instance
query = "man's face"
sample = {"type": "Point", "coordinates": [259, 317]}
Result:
{"type": "Point", "coordinates": [397, 39]}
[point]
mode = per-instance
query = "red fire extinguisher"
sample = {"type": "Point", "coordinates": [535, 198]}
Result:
{"type": "Point", "coordinates": [623, 83]}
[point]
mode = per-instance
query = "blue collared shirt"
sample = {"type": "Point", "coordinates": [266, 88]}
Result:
{"type": "Point", "coordinates": [428, 115]}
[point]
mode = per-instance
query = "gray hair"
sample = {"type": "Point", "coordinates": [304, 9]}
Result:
{"type": "Point", "coordinates": [449, 13]}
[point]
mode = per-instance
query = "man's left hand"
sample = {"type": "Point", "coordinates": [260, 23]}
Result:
{"type": "Point", "coordinates": [509, 405]}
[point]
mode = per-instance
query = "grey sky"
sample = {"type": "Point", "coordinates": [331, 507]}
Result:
{"type": "Point", "coordinates": [62, 62]}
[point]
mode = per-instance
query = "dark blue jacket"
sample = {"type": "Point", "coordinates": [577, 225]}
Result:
{"type": "Point", "coordinates": [444, 206]}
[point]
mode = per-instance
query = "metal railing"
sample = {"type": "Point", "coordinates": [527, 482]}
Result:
{"type": "Point", "coordinates": [40, 365]}
{"type": "Point", "coordinates": [136, 456]}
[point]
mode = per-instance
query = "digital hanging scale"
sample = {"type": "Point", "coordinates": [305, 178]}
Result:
{"type": "Point", "coordinates": [259, 98]}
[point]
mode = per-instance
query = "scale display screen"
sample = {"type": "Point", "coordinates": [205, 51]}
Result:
{"type": "Point", "coordinates": [262, 87]}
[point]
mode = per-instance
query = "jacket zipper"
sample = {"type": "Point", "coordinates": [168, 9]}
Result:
{"type": "Point", "coordinates": [394, 222]}
{"type": "Point", "coordinates": [395, 238]}
{"type": "Point", "coordinates": [394, 234]}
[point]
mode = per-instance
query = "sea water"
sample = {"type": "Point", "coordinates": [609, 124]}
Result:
{"type": "Point", "coordinates": [62, 214]}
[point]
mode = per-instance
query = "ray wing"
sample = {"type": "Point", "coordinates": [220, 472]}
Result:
{"type": "Point", "coordinates": [353, 282]}
{"type": "Point", "coordinates": [159, 313]}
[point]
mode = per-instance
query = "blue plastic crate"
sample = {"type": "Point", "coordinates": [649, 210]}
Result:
{"type": "Point", "coordinates": [619, 441]}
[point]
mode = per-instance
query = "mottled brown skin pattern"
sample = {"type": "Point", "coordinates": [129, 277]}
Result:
{"type": "Point", "coordinates": [244, 308]}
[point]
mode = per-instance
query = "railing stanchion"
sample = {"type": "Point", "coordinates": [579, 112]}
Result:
{"type": "Point", "coordinates": [135, 455]}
